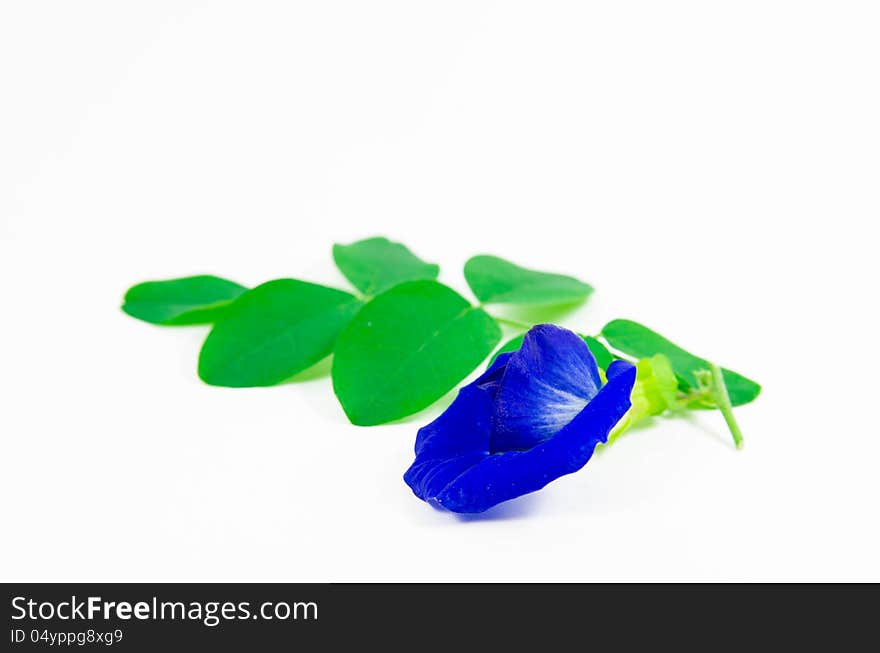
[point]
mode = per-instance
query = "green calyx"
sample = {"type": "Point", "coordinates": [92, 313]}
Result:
{"type": "Point", "coordinates": [655, 391]}
{"type": "Point", "coordinates": [656, 386]}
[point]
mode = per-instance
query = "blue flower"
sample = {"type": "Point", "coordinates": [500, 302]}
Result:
{"type": "Point", "coordinates": [533, 416]}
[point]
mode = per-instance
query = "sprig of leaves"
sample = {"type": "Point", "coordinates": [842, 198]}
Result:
{"type": "Point", "coordinates": [402, 340]}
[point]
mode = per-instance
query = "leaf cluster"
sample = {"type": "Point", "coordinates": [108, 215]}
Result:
{"type": "Point", "coordinates": [400, 340]}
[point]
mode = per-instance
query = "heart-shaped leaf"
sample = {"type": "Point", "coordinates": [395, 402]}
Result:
{"type": "Point", "coordinates": [274, 331]}
{"type": "Point", "coordinates": [406, 349]}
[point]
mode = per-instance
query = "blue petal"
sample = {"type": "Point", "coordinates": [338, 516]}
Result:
{"type": "Point", "coordinates": [466, 424]}
{"type": "Point", "coordinates": [428, 477]}
{"type": "Point", "coordinates": [617, 367]}
{"type": "Point", "coordinates": [503, 476]}
{"type": "Point", "coordinates": [545, 385]}
{"type": "Point", "coordinates": [457, 439]}
{"type": "Point", "coordinates": [498, 365]}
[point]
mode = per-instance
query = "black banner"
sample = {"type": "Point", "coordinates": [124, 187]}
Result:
{"type": "Point", "coordinates": [264, 617]}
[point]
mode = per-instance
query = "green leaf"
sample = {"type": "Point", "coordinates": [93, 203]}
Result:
{"type": "Point", "coordinates": [189, 300]}
{"type": "Point", "coordinates": [600, 352]}
{"type": "Point", "coordinates": [407, 348]}
{"type": "Point", "coordinates": [496, 281]}
{"type": "Point", "coordinates": [376, 264]}
{"type": "Point", "coordinates": [636, 340]}
{"type": "Point", "coordinates": [274, 331]}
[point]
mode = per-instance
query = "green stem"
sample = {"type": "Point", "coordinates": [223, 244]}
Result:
{"type": "Point", "coordinates": [516, 324]}
{"type": "Point", "coordinates": [722, 399]}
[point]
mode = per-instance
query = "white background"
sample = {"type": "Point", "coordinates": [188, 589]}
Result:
{"type": "Point", "coordinates": [711, 168]}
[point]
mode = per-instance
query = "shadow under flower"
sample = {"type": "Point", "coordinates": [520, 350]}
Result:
{"type": "Point", "coordinates": [518, 508]}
